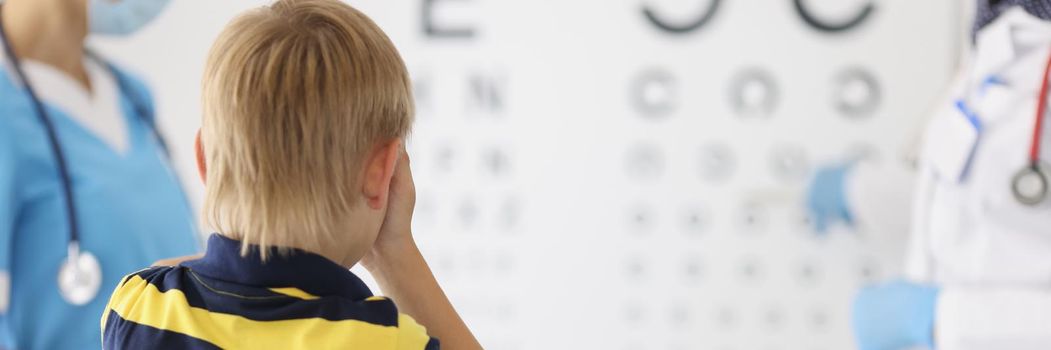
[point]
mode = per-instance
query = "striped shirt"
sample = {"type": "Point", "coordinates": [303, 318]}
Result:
{"type": "Point", "coordinates": [226, 301]}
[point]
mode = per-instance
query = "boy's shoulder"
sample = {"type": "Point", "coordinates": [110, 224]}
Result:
{"type": "Point", "coordinates": [132, 287]}
{"type": "Point", "coordinates": [165, 299]}
{"type": "Point", "coordinates": [130, 305]}
{"type": "Point", "coordinates": [160, 277]}
{"type": "Point", "coordinates": [153, 275]}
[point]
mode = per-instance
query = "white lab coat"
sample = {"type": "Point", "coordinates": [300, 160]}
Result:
{"type": "Point", "coordinates": [880, 189]}
{"type": "Point", "coordinates": [990, 254]}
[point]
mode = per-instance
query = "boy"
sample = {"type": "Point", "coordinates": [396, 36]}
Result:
{"type": "Point", "coordinates": [306, 103]}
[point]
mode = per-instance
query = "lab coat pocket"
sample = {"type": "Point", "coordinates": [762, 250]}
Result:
{"type": "Point", "coordinates": [952, 138]}
{"type": "Point", "coordinates": [998, 102]}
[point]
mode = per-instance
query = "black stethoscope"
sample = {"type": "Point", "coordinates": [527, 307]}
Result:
{"type": "Point", "coordinates": [1030, 185]}
{"type": "Point", "coordinates": [80, 275]}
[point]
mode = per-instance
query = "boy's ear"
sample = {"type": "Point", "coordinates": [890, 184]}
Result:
{"type": "Point", "coordinates": [379, 169]}
{"type": "Point", "coordinates": [202, 167]}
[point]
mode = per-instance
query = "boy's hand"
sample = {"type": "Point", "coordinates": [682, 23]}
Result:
{"type": "Point", "coordinates": [403, 274]}
{"type": "Point", "coordinates": [396, 233]}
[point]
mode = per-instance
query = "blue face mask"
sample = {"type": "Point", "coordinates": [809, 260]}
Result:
{"type": "Point", "coordinates": [122, 17]}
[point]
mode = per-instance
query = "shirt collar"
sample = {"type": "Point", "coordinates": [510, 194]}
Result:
{"type": "Point", "coordinates": [309, 272]}
{"type": "Point", "coordinates": [1012, 37]}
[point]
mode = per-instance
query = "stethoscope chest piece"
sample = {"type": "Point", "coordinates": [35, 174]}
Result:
{"type": "Point", "coordinates": [1030, 185]}
{"type": "Point", "coordinates": [79, 277]}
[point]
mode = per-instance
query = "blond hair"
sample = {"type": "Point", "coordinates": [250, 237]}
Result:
{"type": "Point", "coordinates": [295, 95]}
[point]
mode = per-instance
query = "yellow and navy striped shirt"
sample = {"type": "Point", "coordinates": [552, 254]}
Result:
{"type": "Point", "coordinates": [226, 301]}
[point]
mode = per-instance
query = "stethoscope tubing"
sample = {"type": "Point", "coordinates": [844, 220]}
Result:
{"type": "Point", "coordinates": [52, 137]}
{"type": "Point", "coordinates": [1038, 123]}
{"type": "Point", "coordinates": [1032, 196]}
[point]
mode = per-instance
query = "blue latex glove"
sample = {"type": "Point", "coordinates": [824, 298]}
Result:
{"type": "Point", "coordinates": [826, 198]}
{"type": "Point", "coordinates": [895, 316]}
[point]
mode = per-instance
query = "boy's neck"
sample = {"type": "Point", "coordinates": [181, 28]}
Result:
{"type": "Point", "coordinates": [338, 257]}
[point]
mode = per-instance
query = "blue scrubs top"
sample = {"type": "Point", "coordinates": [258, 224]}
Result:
{"type": "Point", "coordinates": [131, 213]}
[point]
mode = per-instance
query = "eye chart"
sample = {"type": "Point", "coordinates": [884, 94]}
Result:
{"type": "Point", "coordinates": [627, 174]}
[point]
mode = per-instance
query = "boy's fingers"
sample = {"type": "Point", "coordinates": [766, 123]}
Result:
{"type": "Point", "coordinates": [404, 153]}
{"type": "Point", "coordinates": [403, 167]}
{"type": "Point", "coordinates": [402, 179]}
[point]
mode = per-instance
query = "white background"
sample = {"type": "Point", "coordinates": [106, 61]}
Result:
{"type": "Point", "coordinates": [566, 244]}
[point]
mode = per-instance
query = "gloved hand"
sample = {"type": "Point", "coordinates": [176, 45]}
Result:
{"type": "Point", "coordinates": [895, 316]}
{"type": "Point", "coordinates": [826, 198]}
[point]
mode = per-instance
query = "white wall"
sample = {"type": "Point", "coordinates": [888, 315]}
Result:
{"type": "Point", "coordinates": [544, 251]}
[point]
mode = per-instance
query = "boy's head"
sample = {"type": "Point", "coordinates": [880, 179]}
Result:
{"type": "Point", "coordinates": [305, 106]}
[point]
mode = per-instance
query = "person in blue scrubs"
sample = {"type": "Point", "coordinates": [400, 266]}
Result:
{"type": "Point", "coordinates": [129, 208]}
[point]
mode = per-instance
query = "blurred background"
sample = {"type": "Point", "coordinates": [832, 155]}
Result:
{"type": "Point", "coordinates": [631, 174]}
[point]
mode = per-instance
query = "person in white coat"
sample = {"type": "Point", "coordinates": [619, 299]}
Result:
{"type": "Point", "coordinates": [978, 266]}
